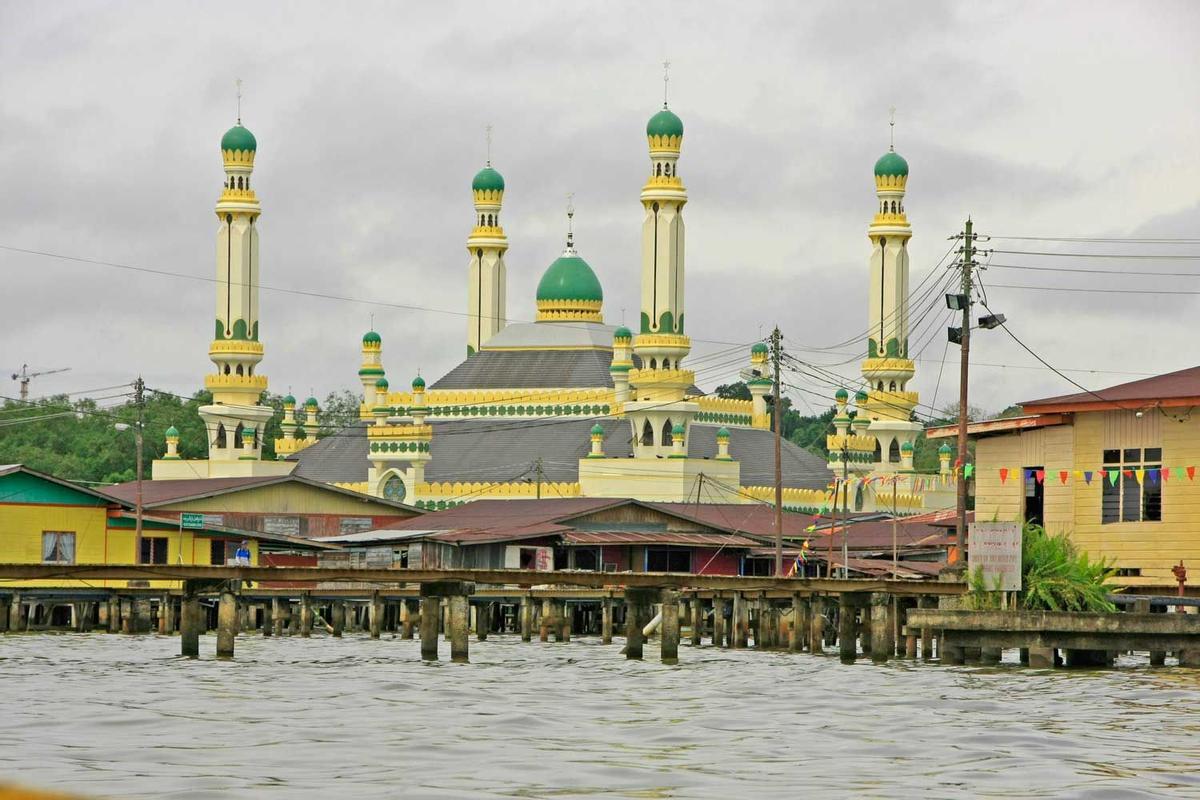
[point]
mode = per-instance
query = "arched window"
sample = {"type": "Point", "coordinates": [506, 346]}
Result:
{"type": "Point", "coordinates": [237, 436]}
{"type": "Point", "coordinates": [878, 452]}
{"type": "Point", "coordinates": [667, 437]}
{"type": "Point", "coordinates": [658, 169]}
{"type": "Point", "coordinates": [240, 370]}
{"type": "Point", "coordinates": [894, 452]}
{"type": "Point", "coordinates": [858, 498]}
{"type": "Point", "coordinates": [880, 386]}
{"type": "Point", "coordinates": [893, 206]}
{"type": "Point", "coordinates": [653, 363]}
{"type": "Point", "coordinates": [892, 386]}
{"type": "Point", "coordinates": [226, 369]}
{"type": "Point", "coordinates": [219, 441]}
{"type": "Point", "coordinates": [648, 434]}
{"type": "Point", "coordinates": [394, 489]}
{"type": "Point", "coordinates": [666, 363]}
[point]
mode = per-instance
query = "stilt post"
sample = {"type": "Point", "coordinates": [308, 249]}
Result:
{"type": "Point", "coordinates": [669, 629]}
{"type": "Point", "coordinates": [227, 623]}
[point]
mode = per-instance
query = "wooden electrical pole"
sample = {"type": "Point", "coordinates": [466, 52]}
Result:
{"type": "Point", "coordinates": [968, 263]}
{"type": "Point", "coordinates": [776, 347]}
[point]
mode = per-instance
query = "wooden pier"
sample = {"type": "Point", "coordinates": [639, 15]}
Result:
{"type": "Point", "coordinates": [857, 618]}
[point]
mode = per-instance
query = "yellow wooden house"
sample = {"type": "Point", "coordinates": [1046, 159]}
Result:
{"type": "Point", "coordinates": [1115, 469]}
{"type": "Point", "coordinates": [47, 520]}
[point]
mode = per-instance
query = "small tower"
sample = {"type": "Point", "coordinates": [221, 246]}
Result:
{"type": "Point", "coordinates": [723, 445]}
{"type": "Point", "coordinates": [622, 363]}
{"type": "Point", "coordinates": [597, 438]}
{"type": "Point", "coordinates": [663, 198]}
{"type": "Point", "coordinates": [172, 437]}
{"type": "Point", "coordinates": [372, 363]}
{"type": "Point", "coordinates": [487, 279]}
{"type": "Point", "coordinates": [236, 350]}
{"type": "Point", "coordinates": [888, 367]}
{"type": "Point", "coordinates": [399, 447]}
{"type": "Point", "coordinates": [288, 424]}
{"type": "Point", "coordinates": [944, 453]}
{"type": "Point", "coordinates": [760, 385]}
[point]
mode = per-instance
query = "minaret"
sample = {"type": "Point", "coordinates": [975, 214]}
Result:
{"type": "Point", "coordinates": [663, 198]}
{"type": "Point", "coordinates": [888, 367]}
{"type": "Point", "coordinates": [486, 300]}
{"type": "Point", "coordinates": [235, 420]}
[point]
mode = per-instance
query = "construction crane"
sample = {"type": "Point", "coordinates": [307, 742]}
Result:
{"type": "Point", "coordinates": [24, 376]}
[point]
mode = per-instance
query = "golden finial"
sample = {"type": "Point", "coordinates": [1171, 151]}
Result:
{"type": "Point", "coordinates": [892, 133]}
{"type": "Point", "coordinates": [239, 100]}
{"type": "Point", "coordinates": [488, 134]}
{"type": "Point", "coordinates": [666, 80]}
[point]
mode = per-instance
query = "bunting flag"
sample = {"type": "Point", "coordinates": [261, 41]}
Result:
{"type": "Point", "coordinates": [1164, 473]}
{"type": "Point", "coordinates": [1003, 474]}
{"type": "Point", "coordinates": [1063, 475]}
{"type": "Point", "coordinates": [1041, 475]}
{"type": "Point", "coordinates": [1138, 475]}
{"type": "Point", "coordinates": [1112, 476]}
{"type": "Point", "coordinates": [1028, 474]}
{"type": "Point", "coordinates": [1087, 477]}
{"type": "Point", "coordinates": [1152, 474]}
{"type": "Point", "coordinates": [968, 470]}
{"type": "Point", "coordinates": [1191, 472]}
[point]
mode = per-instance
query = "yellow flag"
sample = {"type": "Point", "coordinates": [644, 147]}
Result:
{"type": "Point", "coordinates": [1138, 473]}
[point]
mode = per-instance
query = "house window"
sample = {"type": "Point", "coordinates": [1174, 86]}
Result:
{"type": "Point", "coordinates": [664, 559]}
{"type": "Point", "coordinates": [1136, 495]}
{"type": "Point", "coordinates": [58, 547]}
{"type": "Point", "coordinates": [586, 558]}
{"type": "Point", "coordinates": [154, 550]}
{"type": "Point", "coordinates": [758, 567]}
{"type": "Point", "coordinates": [220, 552]}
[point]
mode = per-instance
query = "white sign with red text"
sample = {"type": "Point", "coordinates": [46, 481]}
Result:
{"type": "Point", "coordinates": [996, 547]}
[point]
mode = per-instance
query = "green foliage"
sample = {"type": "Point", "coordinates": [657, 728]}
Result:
{"type": "Point", "coordinates": [1057, 577]}
{"type": "Point", "coordinates": [77, 440]}
{"type": "Point", "coordinates": [980, 597]}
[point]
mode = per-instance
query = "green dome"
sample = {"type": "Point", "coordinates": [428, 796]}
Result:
{"type": "Point", "coordinates": [664, 123]}
{"type": "Point", "coordinates": [418, 382]}
{"type": "Point", "coordinates": [907, 447]}
{"type": "Point", "coordinates": [622, 333]}
{"type": "Point", "coordinates": [371, 337]}
{"type": "Point", "coordinates": [487, 180]}
{"type": "Point", "coordinates": [860, 396]}
{"type": "Point", "coordinates": [723, 433]}
{"type": "Point", "coordinates": [842, 395]}
{"type": "Point", "coordinates": [569, 278]}
{"type": "Point", "coordinates": [678, 429]}
{"type": "Point", "coordinates": [239, 138]}
{"type": "Point", "coordinates": [890, 163]}
{"type": "Point", "coordinates": [310, 402]}
{"type": "Point", "coordinates": [944, 450]}
{"type": "Point", "coordinates": [289, 400]}
{"type": "Point", "coordinates": [597, 429]}
{"type": "Point", "coordinates": [759, 348]}
{"type": "Point", "coordinates": [382, 383]}
{"type": "Point", "coordinates": [172, 431]}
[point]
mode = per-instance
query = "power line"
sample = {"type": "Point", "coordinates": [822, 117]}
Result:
{"type": "Point", "coordinates": [1097, 239]}
{"type": "Point", "coordinates": [1094, 291]}
{"type": "Point", "coordinates": [1136, 256]}
{"type": "Point", "coordinates": [1130, 273]}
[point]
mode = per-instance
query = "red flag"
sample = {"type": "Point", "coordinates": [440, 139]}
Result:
{"type": "Point", "coordinates": [1164, 473]}
{"type": "Point", "coordinates": [1041, 475]}
{"type": "Point", "coordinates": [1003, 474]}
{"type": "Point", "coordinates": [1063, 475]}
{"type": "Point", "coordinates": [1191, 471]}
{"type": "Point", "coordinates": [1128, 473]}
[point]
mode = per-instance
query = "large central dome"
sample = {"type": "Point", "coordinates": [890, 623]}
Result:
{"type": "Point", "coordinates": [569, 291]}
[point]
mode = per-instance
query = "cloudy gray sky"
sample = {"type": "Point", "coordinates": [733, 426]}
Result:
{"type": "Point", "coordinates": [1039, 119]}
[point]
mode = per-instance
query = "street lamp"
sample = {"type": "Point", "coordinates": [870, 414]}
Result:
{"type": "Point", "coordinates": [137, 535]}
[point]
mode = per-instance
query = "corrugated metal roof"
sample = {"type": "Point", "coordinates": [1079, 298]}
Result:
{"type": "Point", "coordinates": [682, 539]}
{"type": "Point", "coordinates": [530, 369]}
{"type": "Point", "coordinates": [163, 492]}
{"type": "Point", "coordinates": [1184, 383]}
{"type": "Point", "coordinates": [510, 514]}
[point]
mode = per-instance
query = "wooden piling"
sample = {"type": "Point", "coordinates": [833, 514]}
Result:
{"type": "Point", "coordinates": [697, 620]}
{"type": "Point", "coordinates": [740, 624]}
{"type": "Point", "coordinates": [114, 613]}
{"type": "Point", "coordinates": [1041, 657]}
{"type": "Point", "coordinates": [483, 621]}
{"type": "Point", "coordinates": [526, 618]}
{"type": "Point", "coordinates": [544, 621]}
{"type": "Point", "coordinates": [882, 647]}
{"type": "Point", "coordinates": [375, 615]}
{"type": "Point", "coordinates": [189, 623]}
{"type": "Point", "coordinates": [565, 620]}
{"type": "Point", "coordinates": [459, 628]}
{"type": "Point", "coordinates": [431, 612]}
{"type": "Point", "coordinates": [800, 623]}
{"type": "Point", "coordinates": [606, 620]}
{"type": "Point", "coordinates": [637, 614]}
{"type": "Point", "coordinates": [847, 629]}
{"type": "Point", "coordinates": [816, 626]}
{"type": "Point", "coordinates": [126, 605]}
{"type": "Point", "coordinates": [926, 601]}
{"type": "Point", "coordinates": [719, 636]}
{"type": "Point", "coordinates": [337, 618]}
{"type": "Point", "coordinates": [227, 623]}
{"type": "Point", "coordinates": [306, 616]}
{"type": "Point", "coordinates": [278, 617]}
{"type": "Point", "coordinates": [407, 616]}
{"type": "Point", "coordinates": [669, 629]}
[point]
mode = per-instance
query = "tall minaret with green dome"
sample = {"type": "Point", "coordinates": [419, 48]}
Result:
{"type": "Point", "coordinates": [888, 367]}
{"type": "Point", "coordinates": [663, 198]}
{"type": "Point", "coordinates": [486, 300]}
{"type": "Point", "coordinates": [235, 420]}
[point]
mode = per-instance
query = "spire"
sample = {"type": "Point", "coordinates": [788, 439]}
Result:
{"type": "Point", "coordinates": [892, 132]}
{"type": "Point", "coordinates": [239, 100]}
{"type": "Point", "coordinates": [666, 80]}
{"type": "Point", "coordinates": [488, 132]}
{"type": "Point", "coordinates": [570, 223]}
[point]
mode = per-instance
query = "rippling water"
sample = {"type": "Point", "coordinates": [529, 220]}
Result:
{"type": "Point", "coordinates": [126, 717]}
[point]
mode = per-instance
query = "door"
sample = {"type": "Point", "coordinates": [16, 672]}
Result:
{"type": "Point", "coordinates": [1035, 495]}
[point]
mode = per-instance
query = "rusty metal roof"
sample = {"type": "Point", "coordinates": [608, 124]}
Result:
{"type": "Point", "coordinates": [577, 537]}
{"type": "Point", "coordinates": [165, 492]}
{"type": "Point", "coordinates": [1173, 388]}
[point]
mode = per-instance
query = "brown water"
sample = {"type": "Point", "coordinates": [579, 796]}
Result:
{"type": "Point", "coordinates": [126, 717]}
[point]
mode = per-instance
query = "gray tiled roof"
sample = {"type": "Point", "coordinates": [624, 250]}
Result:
{"type": "Point", "coordinates": [530, 369]}
{"type": "Point", "coordinates": [503, 450]}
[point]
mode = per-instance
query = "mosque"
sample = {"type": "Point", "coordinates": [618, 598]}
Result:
{"type": "Point", "coordinates": [567, 405]}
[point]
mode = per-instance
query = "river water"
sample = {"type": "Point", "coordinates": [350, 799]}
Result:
{"type": "Point", "coordinates": [119, 716]}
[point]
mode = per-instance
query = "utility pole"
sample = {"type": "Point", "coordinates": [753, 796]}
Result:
{"type": "Point", "coordinates": [968, 264]}
{"type": "Point", "coordinates": [845, 508]}
{"type": "Point", "coordinates": [537, 466]}
{"type": "Point", "coordinates": [776, 347]}
{"type": "Point", "coordinates": [139, 400]}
